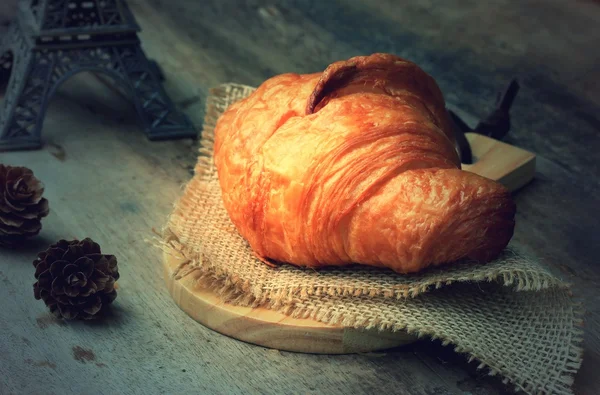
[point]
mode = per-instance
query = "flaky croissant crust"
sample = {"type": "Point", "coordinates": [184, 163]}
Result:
{"type": "Point", "coordinates": [355, 165]}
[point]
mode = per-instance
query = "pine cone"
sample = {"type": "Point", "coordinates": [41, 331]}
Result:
{"type": "Point", "coordinates": [75, 279]}
{"type": "Point", "coordinates": [21, 204]}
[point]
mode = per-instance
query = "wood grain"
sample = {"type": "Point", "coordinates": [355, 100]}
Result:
{"type": "Point", "coordinates": [113, 185]}
{"type": "Point", "coordinates": [511, 166]}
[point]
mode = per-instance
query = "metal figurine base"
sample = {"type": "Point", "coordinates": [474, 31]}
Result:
{"type": "Point", "coordinates": [52, 40]}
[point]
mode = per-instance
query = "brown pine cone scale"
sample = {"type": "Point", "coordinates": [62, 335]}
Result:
{"type": "Point", "coordinates": [21, 204]}
{"type": "Point", "coordinates": [75, 279]}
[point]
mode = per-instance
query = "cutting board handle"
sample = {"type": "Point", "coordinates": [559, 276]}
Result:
{"type": "Point", "coordinates": [511, 166]}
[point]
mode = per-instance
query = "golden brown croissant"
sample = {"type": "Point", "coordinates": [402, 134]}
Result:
{"type": "Point", "coordinates": [355, 165]}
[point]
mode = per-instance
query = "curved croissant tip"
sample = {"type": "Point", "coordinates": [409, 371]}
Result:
{"type": "Point", "coordinates": [337, 74]}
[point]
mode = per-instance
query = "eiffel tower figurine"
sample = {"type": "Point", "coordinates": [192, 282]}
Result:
{"type": "Point", "coordinates": [51, 40]}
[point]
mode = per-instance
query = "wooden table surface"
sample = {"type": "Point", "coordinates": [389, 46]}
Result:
{"type": "Point", "coordinates": [106, 181]}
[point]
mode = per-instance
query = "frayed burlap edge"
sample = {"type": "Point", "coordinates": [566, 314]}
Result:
{"type": "Point", "coordinates": [196, 261]}
{"type": "Point", "coordinates": [235, 293]}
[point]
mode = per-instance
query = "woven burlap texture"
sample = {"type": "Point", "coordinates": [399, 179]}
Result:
{"type": "Point", "coordinates": [512, 315]}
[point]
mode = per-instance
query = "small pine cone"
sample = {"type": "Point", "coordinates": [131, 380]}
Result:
{"type": "Point", "coordinates": [75, 279]}
{"type": "Point", "coordinates": [21, 205]}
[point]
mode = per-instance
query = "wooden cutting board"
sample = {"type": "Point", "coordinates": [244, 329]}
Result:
{"type": "Point", "coordinates": [512, 166]}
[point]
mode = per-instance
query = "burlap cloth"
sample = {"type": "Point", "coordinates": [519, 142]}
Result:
{"type": "Point", "coordinates": [512, 315]}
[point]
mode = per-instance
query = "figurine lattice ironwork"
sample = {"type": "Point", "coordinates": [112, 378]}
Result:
{"type": "Point", "coordinates": [52, 40]}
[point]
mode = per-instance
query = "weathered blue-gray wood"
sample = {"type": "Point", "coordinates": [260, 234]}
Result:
{"type": "Point", "coordinates": [106, 181]}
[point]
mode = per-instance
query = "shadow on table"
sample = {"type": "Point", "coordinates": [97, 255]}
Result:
{"type": "Point", "coordinates": [115, 316]}
{"type": "Point", "coordinates": [29, 249]}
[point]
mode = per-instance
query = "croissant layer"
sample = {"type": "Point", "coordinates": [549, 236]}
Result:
{"type": "Point", "coordinates": [355, 165]}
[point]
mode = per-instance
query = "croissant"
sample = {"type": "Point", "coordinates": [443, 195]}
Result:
{"type": "Point", "coordinates": [355, 165]}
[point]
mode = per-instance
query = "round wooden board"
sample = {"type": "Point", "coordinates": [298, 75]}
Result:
{"type": "Point", "coordinates": [269, 328]}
